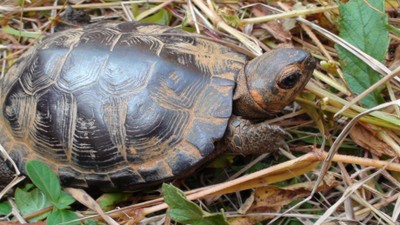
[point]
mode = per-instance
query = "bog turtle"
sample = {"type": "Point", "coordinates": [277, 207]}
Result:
{"type": "Point", "coordinates": [120, 105]}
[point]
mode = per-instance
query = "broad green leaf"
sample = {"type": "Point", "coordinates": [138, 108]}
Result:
{"type": "Point", "coordinates": [187, 212]}
{"type": "Point", "coordinates": [5, 208]}
{"type": "Point", "coordinates": [184, 215]}
{"type": "Point", "coordinates": [64, 201]}
{"type": "Point", "coordinates": [30, 202]}
{"type": "Point", "coordinates": [177, 201]}
{"type": "Point", "coordinates": [161, 17]}
{"type": "Point", "coordinates": [44, 178]}
{"type": "Point", "coordinates": [58, 216]}
{"type": "Point", "coordinates": [363, 24]}
{"type": "Point", "coordinates": [107, 201]}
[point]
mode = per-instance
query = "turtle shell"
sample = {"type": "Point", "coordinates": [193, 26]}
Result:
{"type": "Point", "coordinates": [118, 105]}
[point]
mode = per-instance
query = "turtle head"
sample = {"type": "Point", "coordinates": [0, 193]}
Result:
{"type": "Point", "coordinates": [272, 81]}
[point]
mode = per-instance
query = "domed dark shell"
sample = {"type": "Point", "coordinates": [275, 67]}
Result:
{"type": "Point", "coordinates": [118, 105]}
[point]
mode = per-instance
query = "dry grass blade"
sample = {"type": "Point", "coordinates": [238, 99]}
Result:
{"type": "Point", "coordinates": [5, 156]}
{"type": "Point", "coordinates": [104, 5]}
{"type": "Point", "coordinates": [219, 22]}
{"type": "Point", "coordinates": [16, 212]}
{"type": "Point", "coordinates": [382, 81]}
{"type": "Point", "coordinates": [294, 13]}
{"type": "Point", "coordinates": [331, 82]}
{"type": "Point", "coordinates": [345, 131]}
{"type": "Point", "coordinates": [396, 210]}
{"type": "Point", "coordinates": [85, 199]}
{"type": "Point", "coordinates": [348, 192]}
{"type": "Point", "coordinates": [11, 185]}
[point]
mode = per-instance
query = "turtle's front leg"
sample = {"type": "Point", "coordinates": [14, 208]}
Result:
{"type": "Point", "coordinates": [246, 138]}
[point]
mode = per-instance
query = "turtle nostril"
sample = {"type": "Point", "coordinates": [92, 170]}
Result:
{"type": "Point", "coordinates": [289, 81]}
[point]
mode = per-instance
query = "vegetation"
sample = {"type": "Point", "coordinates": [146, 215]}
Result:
{"type": "Point", "coordinates": [343, 164]}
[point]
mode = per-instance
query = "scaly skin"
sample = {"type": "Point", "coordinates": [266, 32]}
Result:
{"type": "Point", "coordinates": [247, 138]}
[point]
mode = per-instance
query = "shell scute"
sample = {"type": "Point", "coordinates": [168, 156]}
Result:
{"type": "Point", "coordinates": [151, 128]}
{"type": "Point", "coordinates": [181, 161]}
{"type": "Point", "coordinates": [105, 38]}
{"type": "Point", "coordinates": [78, 72]}
{"type": "Point", "coordinates": [155, 171]}
{"type": "Point", "coordinates": [50, 131]}
{"type": "Point", "coordinates": [42, 72]}
{"type": "Point", "coordinates": [126, 177]}
{"type": "Point", "coordinates": [92, 146]}
{"type": "Point", "coordinates": [202, 134]}
{"type": "Point", "coordinates": [70, 176]}
{"type": "Point", "coordinates": [119, 78]}
{"type": "Point", "coordinates": [17, 110]}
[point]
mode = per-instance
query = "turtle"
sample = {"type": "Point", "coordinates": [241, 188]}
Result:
{"type": "Point", "coordinates": [125, 105]}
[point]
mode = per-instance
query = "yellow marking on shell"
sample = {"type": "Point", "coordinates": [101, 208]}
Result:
{"type": "Point", "coordinates": [208, 56]}
{"type": "Point", "coordinates": [71, 37]}
{"type": "Point", "coordinates": [152, 29]}
{"type": "Point", "coordinates": [228, 75]}
{"type": "Point", "coordinates": [189, 149]}
{"type": "Point", "coordinates": [114, 117]}
{"type": "Point", "coordinates": [168, 170]}
{"type": "Point", "coordinates": [174, 77]}
{"type": "Point", "coordinates": [73, 111]}
{"type": "Point", "coordinates": [115, 41]}
{"type": "Point", "coordinates": [22, 106]}
{"type": "Point", "coordinates": [132, 151]}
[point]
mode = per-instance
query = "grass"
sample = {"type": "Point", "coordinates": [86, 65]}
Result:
{"type": "Point", "coordinates": [343, 165]}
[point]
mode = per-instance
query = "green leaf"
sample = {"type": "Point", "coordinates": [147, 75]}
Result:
{"type": "Point", "coordinates": [213, 219]}
{"type": "Point", "coordinates": [64, 201]}
{"type": "Point", "coordinates": [107, 201]}
{"type": "Point", "coordinates": [30, 202]}
{"type": "Point", "coordinates": [187, 212]}
{"type": "Point", "coordinates": [58, 216]}
{"type": "Point", "coordinates": [229, 16]}
{"type": "Point", "coordinates": [364, 26]}
{"type": "Point", "coordinates": [28, 187]}
{"type": "Point", "coordinates": [12, 31]}
{"type": "Point", "coordinates": [179, 205]}
{"type": "Point", "coordinates": [44, 178]}
{"type": "Point", "coordinates": [161, 17]}
{"type": "Point", "coordinates": [5, 208]}
{"type": "Point", "coordinates": [183, 215]}
{"type": "Point", "coordinates": [223, 161]}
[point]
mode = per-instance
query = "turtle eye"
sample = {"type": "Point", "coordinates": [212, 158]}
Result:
{"type": "Point", "coordinates": [288, 81]}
